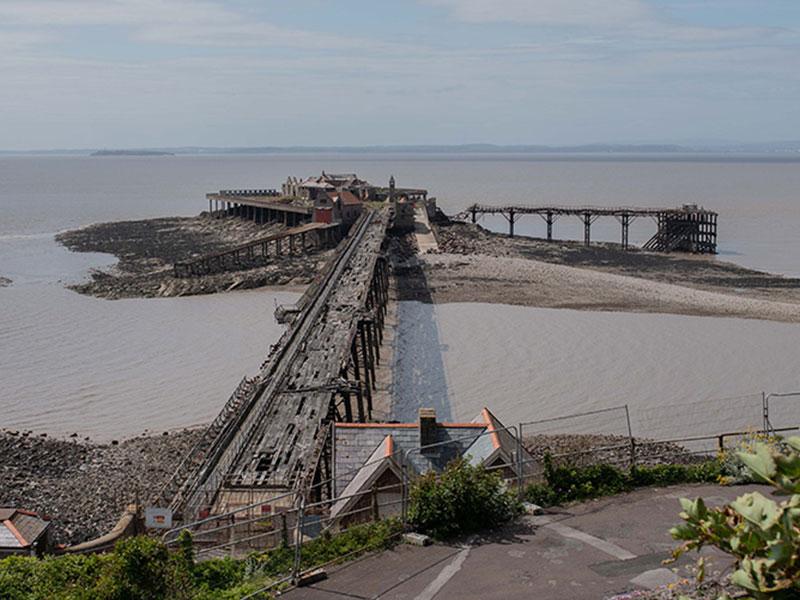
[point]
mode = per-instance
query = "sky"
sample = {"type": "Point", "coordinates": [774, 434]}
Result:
{"type": "Point", "coordinates": [166, 73]}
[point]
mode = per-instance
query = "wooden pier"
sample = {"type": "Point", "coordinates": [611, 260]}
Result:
{"type": "Point", "coordinates": [297, 240]}
{"type": "Point", "coordinates": [688, 228]}
{"type": "Point", "coordinates": [273, 435]}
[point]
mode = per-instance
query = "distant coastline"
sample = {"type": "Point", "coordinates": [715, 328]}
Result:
{"type": "Point", "coordinates": [131, 153]}
{"type": "Point", "coordinates": [777, 149]}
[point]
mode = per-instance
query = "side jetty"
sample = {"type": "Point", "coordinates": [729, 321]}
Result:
{"type": "Point", "coordinates": [688, 228]}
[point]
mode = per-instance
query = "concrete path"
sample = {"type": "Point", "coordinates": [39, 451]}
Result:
{"type": "Point", "coordinates": [587, 551]}
{"type": "Point", "coordinates": [426, 240]}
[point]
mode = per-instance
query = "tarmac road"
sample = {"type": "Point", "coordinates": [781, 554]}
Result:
{"type": "Point", "coordinates": [586, 551]}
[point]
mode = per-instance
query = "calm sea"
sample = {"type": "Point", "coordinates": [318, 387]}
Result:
{"type": "Point", "coordinates": [109, 369]}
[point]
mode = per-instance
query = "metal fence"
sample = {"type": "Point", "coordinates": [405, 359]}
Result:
{"type": "Point", "coordinates": [614, 435]}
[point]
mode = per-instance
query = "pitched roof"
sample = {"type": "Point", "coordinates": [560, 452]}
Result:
{"type": "Point", "coordinates": [499, 443]}
{"type": "Point", "coordinates": [349, 198]}
{"type": "Point", "coordinates": [379, 461]}
{"type": "Point", "coordinates": [20, 528]}
{"type": "Point", "coordinates": [355, 442]}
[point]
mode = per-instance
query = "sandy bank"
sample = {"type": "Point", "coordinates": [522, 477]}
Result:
{"type": "Point", "coordinates": [454, 278]}
{"type": "Point", "coordinates": [479, 266]}
{"type": "Point", "coordinates": [84, 487]}
{"type": "Point", "coordinates": [147, 250]}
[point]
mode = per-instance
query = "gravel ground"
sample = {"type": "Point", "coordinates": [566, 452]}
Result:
{"type": "Point", "coordinates": [84, 487]}
{"type": "Point", "coordinates": [147, 249]}
{"type": "Point", "coordinates": [587, 449]}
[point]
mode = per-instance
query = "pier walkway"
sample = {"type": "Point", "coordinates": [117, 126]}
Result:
{"type": "Point", "coordinates": [688, 228]}
{"type": "Point", "coordinates": [297, 240]}
{"type": "Point", "coordinates": [272, 435]}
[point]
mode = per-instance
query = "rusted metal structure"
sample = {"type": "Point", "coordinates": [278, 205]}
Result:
{"type": "Point", "coordinates": [297, 240]}
{"type": "Point", "coordinates": [688, 228]}
{"type": "Point", "coordinates": [273, 434]}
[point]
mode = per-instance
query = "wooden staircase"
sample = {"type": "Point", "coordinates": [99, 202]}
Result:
{"type": "Point", "coordinates": [669, 240]}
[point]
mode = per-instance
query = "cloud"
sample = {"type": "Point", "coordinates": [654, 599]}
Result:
{"type": "Point", "coordinates": [548, 12]}
{"type": "Point", "coordinates": [170, 22]}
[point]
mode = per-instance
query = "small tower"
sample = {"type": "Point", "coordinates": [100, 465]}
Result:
{"type": "Point", "coordinates": [391, 188]}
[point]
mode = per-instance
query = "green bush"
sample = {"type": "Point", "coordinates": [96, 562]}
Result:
{"type": "Point", "coordinates": [569, 483]}
{"type": "Point", "coordinates": [762, 535]}
{"type": "Point", "coordinates": [461, 499]}
{"type": "Point", "coordinates": [139, 569]}
{"type": "Point", "coordinates": [733, 470]}
{"type": "Point", "coordinates": [57, 578]}
{"type": "Point", "coordinates": [143, 568]}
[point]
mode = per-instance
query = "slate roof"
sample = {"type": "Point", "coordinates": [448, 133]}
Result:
{"type": "Point", "coordinates": [20, 528]}
{"type": "Point", "coordinates": [355, 443]}
{"type": "Point", "coordinates": [378, 462]}
{"type": "Point", "coordinates": [357, 447]}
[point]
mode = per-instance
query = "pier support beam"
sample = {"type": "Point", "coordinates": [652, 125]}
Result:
{"type": "Point", "coordinates": [625, 226]}
{"type": "Point", "coordinates": [549, 218]}
{"type": "Point", "coordinates": [587, 218]}
{"type": "Point", "coordinates": [511, 218]}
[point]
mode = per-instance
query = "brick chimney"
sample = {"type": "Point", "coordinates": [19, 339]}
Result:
{"type": "Point", "coordinates": [427, 429]}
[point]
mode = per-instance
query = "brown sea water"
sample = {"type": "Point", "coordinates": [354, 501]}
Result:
{"type": "Point", "coordinates": [114, 368]}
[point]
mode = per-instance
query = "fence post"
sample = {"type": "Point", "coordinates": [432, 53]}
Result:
{"type": "Point", "coordinates": [298, 552]}
{"type": "Point", "coordinates": [375, 510]}
{"type": "Point", "coordinates": [765, 411]}
{"type": "Point", "coordinates": [520, 465]}
{"type": "Point", "coordinates": [284, 530]}
{"type": "Point", "coordinates": [630, 436]}
{"type": "Point", "coordinates": [232, 536]}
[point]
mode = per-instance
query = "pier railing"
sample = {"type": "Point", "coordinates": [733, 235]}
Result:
{"type": "Point", "coordinates": [260, 192]}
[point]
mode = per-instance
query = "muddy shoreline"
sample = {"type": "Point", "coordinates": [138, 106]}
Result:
{"type": "Point", "coordinates": [147, 250]}
{"type": "Point", "coordinates": [84, 487]}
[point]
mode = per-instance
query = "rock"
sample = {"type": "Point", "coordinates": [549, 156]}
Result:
{"type": "Point", "coordinates": [417, 539]}
{"type": "Point", "coordinates": [85, 487]}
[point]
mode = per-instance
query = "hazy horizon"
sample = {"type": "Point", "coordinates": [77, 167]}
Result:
{"type": "Point", "coordinates": [785, 147]}
{"type": "Point", "coordinates": [244, 73]}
